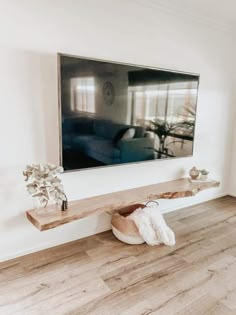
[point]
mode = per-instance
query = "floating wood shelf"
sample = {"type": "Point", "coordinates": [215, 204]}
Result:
{"type": "Point", "coordinates": [48, 218]}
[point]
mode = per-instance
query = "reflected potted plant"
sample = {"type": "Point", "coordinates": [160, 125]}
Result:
{"type": "Point", "coordinates": [182, 129]}
{"type": "Point", "coordinates": [162, 130]}
{"type": "Point", "coordinates": [44, 185]}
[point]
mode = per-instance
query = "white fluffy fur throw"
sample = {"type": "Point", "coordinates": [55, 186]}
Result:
{"type": "Point", "coordinates": [152, 226]}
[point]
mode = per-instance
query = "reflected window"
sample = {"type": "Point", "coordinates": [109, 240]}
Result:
{"type": "Point", "coordinates": [82, 94]}
{"type": "Point", "coordinates": [163, 102]}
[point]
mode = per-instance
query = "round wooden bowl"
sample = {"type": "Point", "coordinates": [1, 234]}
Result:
{"type": "Point", "coordinates": [124, 228]}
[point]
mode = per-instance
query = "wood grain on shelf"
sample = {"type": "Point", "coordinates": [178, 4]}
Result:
{"type": "Point", "coordinates": [49, 217]}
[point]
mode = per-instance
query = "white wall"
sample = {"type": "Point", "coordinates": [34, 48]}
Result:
{"type": "Point", "coordinates": [31, 33]}
{"type": "Point", "coordinates": [232, 160]}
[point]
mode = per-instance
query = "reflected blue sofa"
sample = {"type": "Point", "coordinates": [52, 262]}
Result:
{"type": "Point", "coordinates": [95, 138]}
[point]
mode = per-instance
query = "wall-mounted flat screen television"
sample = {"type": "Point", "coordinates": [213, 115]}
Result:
{"type": "Point", "coordinates": [113, 113]}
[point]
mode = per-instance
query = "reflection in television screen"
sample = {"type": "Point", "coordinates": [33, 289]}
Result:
{"type": "Point", "coordinates": [117, 113]}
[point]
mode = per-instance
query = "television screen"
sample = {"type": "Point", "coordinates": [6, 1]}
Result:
{"type": "Point", "coordinates": [114, 113]}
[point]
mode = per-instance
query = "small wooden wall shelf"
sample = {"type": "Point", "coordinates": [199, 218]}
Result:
{"type": "Point", "coordinates": [48, 218]}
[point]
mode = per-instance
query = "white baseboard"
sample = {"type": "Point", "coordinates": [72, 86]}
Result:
{"type": "Point", "coordinates": [53, 244]}
{"type": "Point", "coordinates": [189, 204]}
{"type": "Point", "coordinates": [44, 246]}
{"type": "Point", "coordinates": [231, 194]}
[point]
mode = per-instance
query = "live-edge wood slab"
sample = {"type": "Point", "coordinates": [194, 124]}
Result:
{"type": "Point", "coordinates": [49, 217]}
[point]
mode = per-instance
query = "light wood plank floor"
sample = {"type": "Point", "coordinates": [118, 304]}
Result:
{"type": "Point", "coordinates": [101, 276]}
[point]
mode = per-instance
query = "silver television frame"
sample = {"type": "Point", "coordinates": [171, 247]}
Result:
{"type": "Point", "coordinates": [59, 55]}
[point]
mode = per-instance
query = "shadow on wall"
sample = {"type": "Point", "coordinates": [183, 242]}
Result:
{"type": "Point", "coordinates": [17, 221]}
{"type": "Point", "coordinates": [50, 106]}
